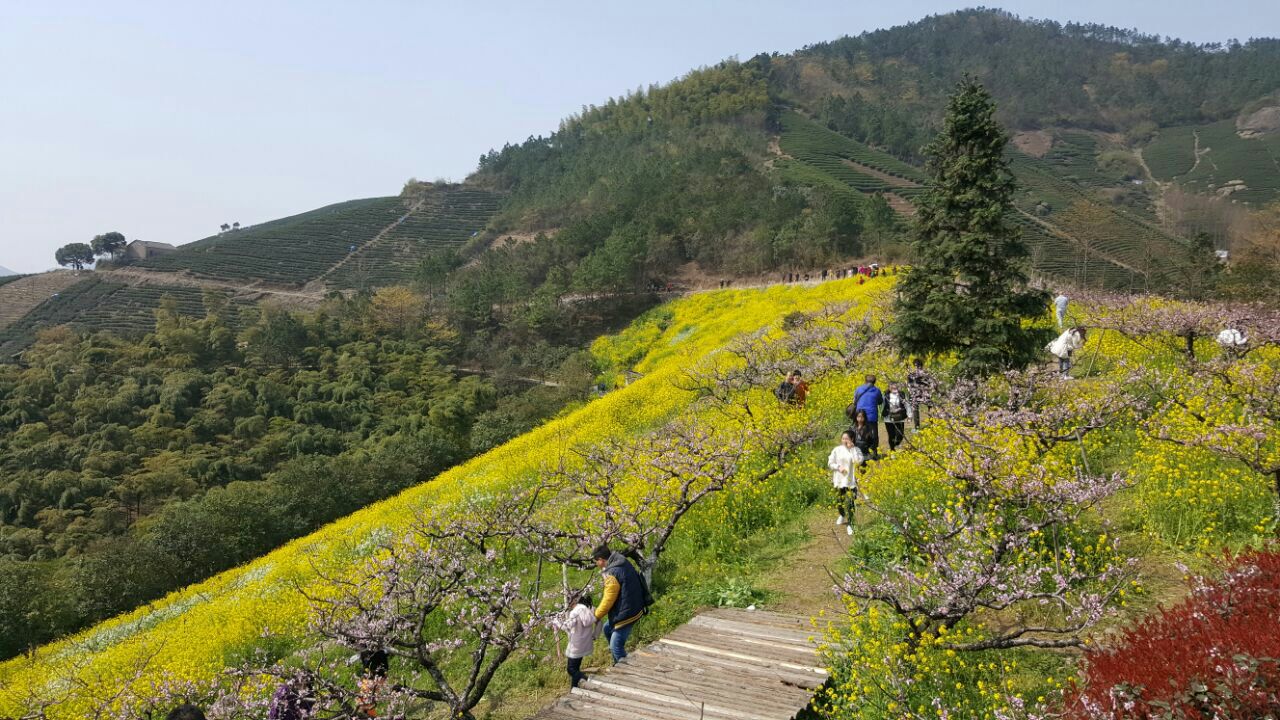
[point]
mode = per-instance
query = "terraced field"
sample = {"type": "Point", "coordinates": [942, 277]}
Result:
{"type": "Point", "coordinates": [1226, 160]}
{"type": "Point", "coordinates": [833, 153]}
{"type": "Point", "coordinates": [95, 304]}
{"type": "Point", "coordinates": [446, 220]}
{"type": "Point", "coordinates": [20, 293]}
{"type": "Point", "coordinates": [286, 252]}
{"type": "Point", "coordinates": [1103, 231]}
{"type": "Point", "coordinates": [1081, 238]}
{"type": "Point", "coordinates": [1074, 156]}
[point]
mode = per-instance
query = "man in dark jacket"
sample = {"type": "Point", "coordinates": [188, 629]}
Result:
{"type": "Point", "coordinates": [625, 599]}
{"type": "Point", "coordinates": [897, 410]}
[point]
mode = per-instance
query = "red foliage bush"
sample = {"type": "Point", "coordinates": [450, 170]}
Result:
{"type": "Point", "coordinates": [1217, 655]}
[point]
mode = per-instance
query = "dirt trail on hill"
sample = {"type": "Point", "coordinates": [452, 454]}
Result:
{"type": "Point", "coordinates": [138, 276]}
{"type": "Point", "coordinates": [900, 205]}
{"type": "Point", "coordinates": [1059, 232]}
{"type": "Point", "coordinates": [317, 284]}
{"type": "Point", "coordinates": [893, 180]}
{"type": "Point", "coordinates": [802, 583]}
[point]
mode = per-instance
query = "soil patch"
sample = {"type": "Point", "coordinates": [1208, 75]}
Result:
{"type": "Point", "coordinates": [1033, 142]}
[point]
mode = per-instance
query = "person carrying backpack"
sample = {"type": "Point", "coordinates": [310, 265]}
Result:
{"type": "Point", "coordinates": [897, 410]}
{"type": "Point", "coordinates": [626, 599]}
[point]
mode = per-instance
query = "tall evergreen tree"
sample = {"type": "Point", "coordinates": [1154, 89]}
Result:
{"type": "Point", "coordinates": [967, 291]}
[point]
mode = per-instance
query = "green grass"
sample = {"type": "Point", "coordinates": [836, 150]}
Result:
{"type": "Point", "coordinates": [5, 280]}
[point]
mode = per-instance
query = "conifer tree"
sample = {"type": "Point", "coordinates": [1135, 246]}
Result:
{"type": "Point", "coordinates": [967, 291]}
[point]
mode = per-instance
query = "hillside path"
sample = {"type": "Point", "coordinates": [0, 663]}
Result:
{"type": "Point", "coordinates": [316, 284]}
{"type": "Point", "coordinates": [722, 665]}
{"type": "Point", "coordinates": [139, 276]}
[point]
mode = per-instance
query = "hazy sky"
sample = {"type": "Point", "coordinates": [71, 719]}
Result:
{"type": "Point", "coordinates": [165, 119]}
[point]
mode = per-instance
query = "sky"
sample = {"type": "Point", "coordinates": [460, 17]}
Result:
{"type": "Point", "coordinates": [163, 120]}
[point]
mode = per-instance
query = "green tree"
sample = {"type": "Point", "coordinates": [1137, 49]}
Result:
{"type": "Point", "coordinates": [75, 255]}
{"type": "Point", "coordinates": [111, 243]}
{"type": "Point", "coordinates": [967, 291]}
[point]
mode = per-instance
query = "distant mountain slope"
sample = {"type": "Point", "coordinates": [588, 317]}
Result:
{"type": "Point", "coordinates": [383, 236]}
{"type": "Point", "coordinates": [6, 272]}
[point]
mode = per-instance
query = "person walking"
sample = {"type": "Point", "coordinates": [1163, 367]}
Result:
{"type": "Point", "coordinates": [919, 385]}
{"type": "Point", "coordinates": [1065, 346]}
{"type": "Point", "coordinates": [580, 623]}
{"type": "Point", "coordinates": [842, 460]}
{"type": "Point", "coordinates": [864, 436]}
{"type": "Point", "coordinates": [1060, 309]}
{"type": "Point", "coordinates": [897, 410]}
{"type": "Point", "coordinates": [625, 599]}
{"type": "Point", "coordinates": [868, 398]}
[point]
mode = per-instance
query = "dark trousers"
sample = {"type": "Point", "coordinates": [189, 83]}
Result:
{"type": "Point", "coordinates": [846, 503]}
{"type": "Point", "coordinates": [575, 672]}
{"type": "Point", "coordinates": [896, 429]}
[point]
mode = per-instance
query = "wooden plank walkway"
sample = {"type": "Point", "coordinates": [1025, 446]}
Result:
{"type": "Point", "coordinates": [721, 665]}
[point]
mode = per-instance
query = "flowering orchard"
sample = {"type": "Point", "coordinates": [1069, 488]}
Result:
{"type": "Point", "coordinates": [190, 638]}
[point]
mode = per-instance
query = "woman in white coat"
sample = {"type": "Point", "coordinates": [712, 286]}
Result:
{"type": "Point", "coordinates": [842, 461]}
{"type": "Point", "coordinates": [1065, 346]}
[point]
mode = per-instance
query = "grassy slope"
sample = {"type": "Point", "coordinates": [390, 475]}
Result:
{"type": "Point", "coordinates": [196, 631]}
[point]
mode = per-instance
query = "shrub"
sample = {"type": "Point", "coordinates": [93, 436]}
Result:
{"type": "Point", "coordinates": [1217, 655]}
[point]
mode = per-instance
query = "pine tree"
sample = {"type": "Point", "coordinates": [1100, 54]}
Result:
{"type": "Point", "coordinates": [967, 291]}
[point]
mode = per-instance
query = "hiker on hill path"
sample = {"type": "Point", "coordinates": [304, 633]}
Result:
{"type": "Point", "coordinates": [897, 410]}
{"type": "Point", "coordinates": [919, 385]}
{"type": "Point", "coordinates": [580, 623]}
{"type": "Point", "coordinates": [1060, 309]}
{"type": "Point", "coordinates": [625, 599]}
{"type": "Point", "coordinates": [868, 398]}
{"type": "Point", "coordinates": [842, 460]}
{"type": "Point", "coordinates": [864, 437]}
{"type": "Point", "coordinates": [1065, 346]}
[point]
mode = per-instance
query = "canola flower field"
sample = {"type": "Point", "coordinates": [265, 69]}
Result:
{"type": "Point", "coordinates": [195, 633]}
{"type": "Point", "coordinates": [1181, 507]}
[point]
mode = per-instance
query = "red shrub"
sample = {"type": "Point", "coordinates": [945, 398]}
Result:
{"type": "Point", "coordinates": [1217, 655]}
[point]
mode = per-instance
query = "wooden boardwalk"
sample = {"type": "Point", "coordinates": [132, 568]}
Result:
{"type": "Point", "coordinates": [721, 665]}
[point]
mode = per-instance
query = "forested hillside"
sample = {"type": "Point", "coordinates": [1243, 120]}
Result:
{"type": "Point", "coordinates": [134, 467]}
{"type": "Point", "coordinates": [142, 421]}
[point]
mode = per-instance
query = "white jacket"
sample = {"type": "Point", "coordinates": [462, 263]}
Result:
{"type": "Point", "coordinates": [842, 462]}
{"type": "Point", "coordinates": [580, 623]}
{"type": "Point", "coordinates": [1066, 343]}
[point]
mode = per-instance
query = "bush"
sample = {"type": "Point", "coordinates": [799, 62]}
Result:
{"type": "Point", "coordinates": [1216, 655]}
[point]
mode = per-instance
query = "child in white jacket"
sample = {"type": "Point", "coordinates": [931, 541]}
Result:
{"type": "Point", "coordinates": [842, 461]}
{"type": "Point", "coordinates": [580, 623]}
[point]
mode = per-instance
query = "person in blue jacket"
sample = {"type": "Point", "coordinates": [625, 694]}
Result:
{"type": "Point", "coordinates": [868, 398]}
